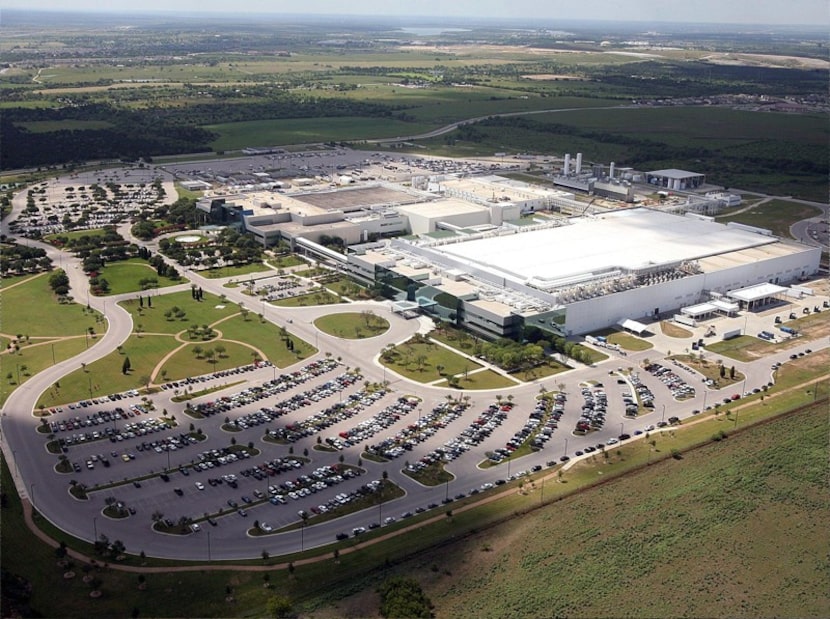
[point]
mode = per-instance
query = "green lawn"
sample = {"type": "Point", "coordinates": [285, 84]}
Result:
{"type": "Point", "coordinates": [36, 357]}
{"type": "Point", "coordinates": [285, 261]}
{"type": "Point", "coordinates": [321, 297]}
{"type": "Point", "coordinates": [184, 362]}
{"type": "Point", "coordinates": [44, 316]}
{"type": "Point", "coordinates": [404, 360]}
{"type": "Point", "coordinates": [629, 342]}
{"type": "Point", "coordinates": [266, 337]}
{"type": "Point", "coordinates": [486, 379]}
{"type": "Point", "coordinates": [153, 319]}
{"type": "Point", "coordinates": [124, 276]}
{"type": "Point", "coordinates": [775, 215]}
{"type": "Point", "coordinates": [104, 376]}
{"type": "Point", "coordinates": [75, 234]}
{"type": "Point", "coordinates": [233, 271]}
{"type": "Point", "coordinates": [353, 325]}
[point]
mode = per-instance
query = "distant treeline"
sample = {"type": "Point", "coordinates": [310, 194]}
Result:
{"type": "Point", "coordinates": [149, 132]}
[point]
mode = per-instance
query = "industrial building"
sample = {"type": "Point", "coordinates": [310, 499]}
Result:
{"type": "Point", "coordinates": [574, 276]}
{"type": "Point", "coordinates": [678, 180]}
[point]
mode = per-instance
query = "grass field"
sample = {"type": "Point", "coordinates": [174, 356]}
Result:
{"type": "Point", "coordinates": [486, 379]}
{"type": "Point", "coordinates": [234, 271]}
{"type": "Point", "coordinates": [104, 376]}
{"type": "Point", "coordinates": [321, 297]}
{"type": "Point", "coordinates": [628, 342]}
{"type": "Point", "coordinates": [124, 276]}
{"type": "Point", "coordinates": [266, 337]}
{"type": "Point", "coordinates": [749, 348]}
{"type": "Point", "coordinates": [775, 215]}
{"type": "Point", "coordinates": [44, 316]}
{"type": "Point", "coordinates": [153, 319]}
{"type": "Point", "coordinates": [35, 357]}
{"type": "Point", "coordinates": [405, 361]}
{"type": "Point", "coordinates": [184, 362]}
{"type": "Point", "coordinates": [352, 325]}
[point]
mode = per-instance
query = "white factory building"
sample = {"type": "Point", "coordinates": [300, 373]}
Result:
{"type": "Point", "coordinates": [582, 274]}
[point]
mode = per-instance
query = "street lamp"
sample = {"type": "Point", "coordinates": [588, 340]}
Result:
{"type": "Point", "coordinates": [32, 492]}
{"type": "Point", "coordinates": [663, 417]}
{"type": "Point", "coordinates": [208, 542]}
{"type": "Point", "coordinates": [622, 428]}
{"type": "Point", "coordinates": [565, 453]}
{"type": "Point", "coordinates": [94, 529]}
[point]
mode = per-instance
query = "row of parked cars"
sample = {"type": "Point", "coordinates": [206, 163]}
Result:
{"type": "Point", "coordinates": [280, 384]}
{"type": "Point", "coordinates": [192, 380]}
{"type": "Point", "coordinates": [476, 432]}
{"type": "Point", "coordinates": [679, 388]}
{"type": "Point", "coordinates": [594, 408]}
{"type": "Point", "coordinates": [143, 427]}
{"type": "Point", "coordinates": [326, 418]}
{"type": "Point", "coordinates": [267, 414]}
{"type": "Point", "coordinates": [418, 431]}
{"type": "Point", "coordinates": [367, 428]}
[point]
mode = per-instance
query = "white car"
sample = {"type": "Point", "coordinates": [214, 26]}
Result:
{"type": "Point", "coordinates": [200, 485]}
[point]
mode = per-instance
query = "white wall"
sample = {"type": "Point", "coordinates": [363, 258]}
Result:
{"type": "Point", "coordinates": [601, 312]}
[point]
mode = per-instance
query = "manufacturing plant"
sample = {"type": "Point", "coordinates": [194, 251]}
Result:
{"type": "Point", "coordinates": [496, 254]}
{"type": "Point", "coordinates": [578, 275]}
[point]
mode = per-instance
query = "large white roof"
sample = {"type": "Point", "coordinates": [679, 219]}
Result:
{"type": "Point", "coordinates": [629, 239]}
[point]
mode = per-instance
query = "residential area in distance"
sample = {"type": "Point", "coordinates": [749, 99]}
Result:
{"type": "Point", "coordinates": [356, 312]}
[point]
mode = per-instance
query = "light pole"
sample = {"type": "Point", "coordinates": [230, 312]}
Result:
{"type": "Point", "coordinates": [208, 542]}
{"type": "Point", "coordinates": [94, 529]}
{"type": "Point", "coordinates": [622, 428]}
{"type": "Point", "coordinates": [32, 492]}
{"type": "Point", "coordinates": [53, 354]}
{"type": "Point", "coordinates": [565, 453]}
{"type": "Point", "coordinates": [663, 416]}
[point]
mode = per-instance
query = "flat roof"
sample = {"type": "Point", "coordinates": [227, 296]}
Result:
{"type": "Point", "coordinates": [631, 239]}
{"type": "Point", "coordinates": [353, 199]}
{"type": "Point", "coordinates": [440, 208]}
{"type": "Point", "coordinates": [700, 308]}
{"type": "Point", "coordinates": [674, 173]}
{"type": "Point", "coordinates": [754, 293]}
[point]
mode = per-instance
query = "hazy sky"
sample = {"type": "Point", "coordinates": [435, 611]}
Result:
{"type": "Point", "coordinates": [813, 12]}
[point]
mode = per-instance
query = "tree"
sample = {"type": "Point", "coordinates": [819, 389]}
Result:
{"type": "Point", "coordinates": [125, 367]}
